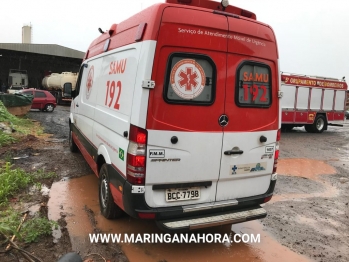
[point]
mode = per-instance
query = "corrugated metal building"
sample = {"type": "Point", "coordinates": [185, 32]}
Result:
{"type": "Point", "coordinates": [38, 59]}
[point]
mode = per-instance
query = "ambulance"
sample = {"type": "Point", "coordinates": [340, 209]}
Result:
{"type": "Point", "coordinates": [177, 112]}
{"type": "Point", "coordinates": [313, 102]}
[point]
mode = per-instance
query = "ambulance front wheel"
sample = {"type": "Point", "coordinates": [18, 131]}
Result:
{"type": "Point", "coordinates": [319, 124]}
{"type": "Point", "coordinates": [106, 202]}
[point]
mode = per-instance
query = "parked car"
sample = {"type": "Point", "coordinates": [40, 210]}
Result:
{"type": "Point", "coordinates": [43, 100]}
{"type": "Point", "coordinates": [347, 114]}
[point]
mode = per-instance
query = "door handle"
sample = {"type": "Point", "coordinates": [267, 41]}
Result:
{"type": "Point", "coordinates": [233, 152]}
{"type": "Point", "coordinates": [77, 105]}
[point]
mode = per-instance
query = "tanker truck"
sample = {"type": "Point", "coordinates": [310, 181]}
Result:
{"type": "Point", "coordinates": [60, 85]}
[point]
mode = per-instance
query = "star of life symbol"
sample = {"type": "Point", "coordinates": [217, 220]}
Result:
{"type": "Point", "coordinates": [89, 82]}
{"type": "Point", "coordinates": [234, 169]}
{"type": "Point", "coordinates": [187, 79]}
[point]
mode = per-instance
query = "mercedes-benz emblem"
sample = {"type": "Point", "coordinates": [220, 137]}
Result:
{"type": "Point", "coordinates": [223, 120]}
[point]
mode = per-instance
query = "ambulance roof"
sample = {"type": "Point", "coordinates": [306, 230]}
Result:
{"type": "Point", "coordinates": [145, 24]}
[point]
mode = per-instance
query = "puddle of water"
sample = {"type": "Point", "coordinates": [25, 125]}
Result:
{"type": "Point", "coordinates": [307, 168]}
{"type": "Point", "coordinates": [75, 194]}
{"type": "Point", "coordinates": [269, 249]}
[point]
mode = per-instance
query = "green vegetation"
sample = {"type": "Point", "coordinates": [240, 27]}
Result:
{"type": "Point", "coordinates": [31, 229]}
{"type": "Point", "coordinates": [22, 126]}
{"type": "Point", "coordinates": [14, 180]}
{"type": "Point", "coordinates": [6, 139]}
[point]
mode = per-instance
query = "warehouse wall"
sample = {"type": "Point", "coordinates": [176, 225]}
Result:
{"type": "Point", "coordinates": [35, 64]}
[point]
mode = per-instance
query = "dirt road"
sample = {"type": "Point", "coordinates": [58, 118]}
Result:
{"type": "Point", "coordinates": [308, 218]}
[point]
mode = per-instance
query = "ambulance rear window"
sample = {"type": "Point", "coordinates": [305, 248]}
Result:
{"type": "Point", "coordinates": [253, 85]}
{"type": "Point", "coordinates": [190, 79]}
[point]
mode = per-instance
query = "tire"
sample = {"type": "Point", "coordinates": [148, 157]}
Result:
{"type": "Point", "coordinates": [49, 108]}
{"type": "Point", "coordinates": [309, 128]}
{"type": "Point", "coordinates": [72, 146]}
{"type": "Point", "coordinates": [319, 124]}
{"type": "Point", "coordinates": [106, 202]}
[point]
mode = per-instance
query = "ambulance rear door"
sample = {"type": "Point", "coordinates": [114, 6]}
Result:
{"type": "Point", "coordinates": [251, 118]}
{"type": "Point", "coordinates": [184, 136]}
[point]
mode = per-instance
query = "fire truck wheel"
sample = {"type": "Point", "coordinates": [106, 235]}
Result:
{"type": "Point", "coordinates": [106, 202]}
{"type": "Point", "coordinates": [309, 128]}
{"type": "Point", "coordinates": [319, 124]}
{"type": "Point", "coordinates": [72, 146]}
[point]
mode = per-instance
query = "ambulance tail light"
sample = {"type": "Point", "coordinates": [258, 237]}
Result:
{"type": "Point", "coordinates": [277, 151]}
{"type": "Point", "coordinates": [136, 156]}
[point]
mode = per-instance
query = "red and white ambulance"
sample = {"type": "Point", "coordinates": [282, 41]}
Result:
{"type": "Point", "coordinates": [177, 112]}
{"type": "Point", "coordinates": [313, 102]}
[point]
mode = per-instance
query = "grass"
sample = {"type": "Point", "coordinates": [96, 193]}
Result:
{"type": "Point", "coordinates": [30, 231]}
{"type": "Point", "coordinates": [12, 181]}
{"type": "Point", "coordinates": [23, 126]}
{"type": "Point", "coordinates": [6, 139]}
{"type": "Point", "coordinates": [15, 180]}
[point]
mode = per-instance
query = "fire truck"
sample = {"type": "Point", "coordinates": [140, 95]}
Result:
{"type": "Point", "coordinates": [312, 101]}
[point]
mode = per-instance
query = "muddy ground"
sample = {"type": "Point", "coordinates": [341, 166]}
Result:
{"type": "Point", "coordinates": [308, 218]}
{"type": "Point", "coordinates": [51, 153]}
{"type": "Point", "coordinates": [310, 212]}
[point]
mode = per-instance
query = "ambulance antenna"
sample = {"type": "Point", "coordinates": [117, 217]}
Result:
{"type": "Point", "coordinates": [100, 30]}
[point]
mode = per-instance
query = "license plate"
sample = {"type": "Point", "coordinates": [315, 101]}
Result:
{"type": "Point", "coordinates": [182, 194]}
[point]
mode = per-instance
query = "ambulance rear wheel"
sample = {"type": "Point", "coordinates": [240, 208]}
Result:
{"type": "Point", "coordinates": [106, 202]}
{"type": "Point", "coordinates": [319, 124]}
{"type": "Point", "coordinates": [309, 128]}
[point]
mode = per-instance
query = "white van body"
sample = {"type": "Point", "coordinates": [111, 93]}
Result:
{"type": "Point", "coordinates": [177, 125]}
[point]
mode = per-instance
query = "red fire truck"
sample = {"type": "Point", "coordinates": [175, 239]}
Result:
{"type": "Point", "coordinates": [313, 102]}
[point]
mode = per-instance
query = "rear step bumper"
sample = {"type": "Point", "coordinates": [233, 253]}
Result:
{"type": "Point", "coordinates": [231, 217]}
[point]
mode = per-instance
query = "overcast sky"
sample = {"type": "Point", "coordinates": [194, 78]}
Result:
{"type": "Point", "coordinates": [312, 35]}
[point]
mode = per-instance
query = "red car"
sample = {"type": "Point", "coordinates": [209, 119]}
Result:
{"type": "Point", "coordinates": [43, 100]}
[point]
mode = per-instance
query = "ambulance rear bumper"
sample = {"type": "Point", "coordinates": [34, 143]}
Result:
{"type": "Point", "coordinates": [198, 222]}
{"type": "Point", "coordinates": [172, 218]}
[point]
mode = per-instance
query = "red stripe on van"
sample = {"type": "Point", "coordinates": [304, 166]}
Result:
{"type": "Point", "coordinates": [86, 155]}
